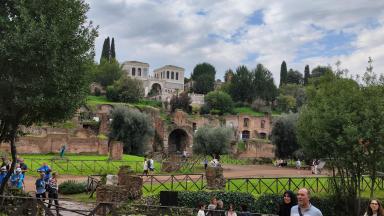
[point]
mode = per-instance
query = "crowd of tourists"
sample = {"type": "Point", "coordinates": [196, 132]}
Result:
{"type": "Point", "coordinates": [216, 208]}
{"type": "Point", "coordinates": [46, 184]}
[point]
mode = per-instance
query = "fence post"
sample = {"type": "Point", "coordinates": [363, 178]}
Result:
{"type": "Point", "coordinates": [289, 183]}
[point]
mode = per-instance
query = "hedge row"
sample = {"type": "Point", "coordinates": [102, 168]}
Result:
{"type": "Point", "coordinates": [266, 204]}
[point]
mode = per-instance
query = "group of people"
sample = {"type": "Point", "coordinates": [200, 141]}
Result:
{"type": "Point", "coordinates": [148, 166]}
{"type": "Point", "coordinates": [216, 208]}
{"type": "Point", "coordinates": [45, 185]}
{"type": "Point", "coordinates": [300, 205]}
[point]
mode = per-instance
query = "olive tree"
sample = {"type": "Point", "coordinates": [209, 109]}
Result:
{"type": "Point", "coordinates": [212, 141]}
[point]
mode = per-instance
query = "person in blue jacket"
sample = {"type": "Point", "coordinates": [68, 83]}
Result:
{"type": "Point", "coordinates": [3, 173]}
{"type": "Point", "coordinates": [46, 170]}
{"type": "Point", "coordinates": [17, 179]}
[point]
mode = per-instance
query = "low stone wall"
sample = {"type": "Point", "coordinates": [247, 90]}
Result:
{"type": "Point", "coordinates": [51, 143]}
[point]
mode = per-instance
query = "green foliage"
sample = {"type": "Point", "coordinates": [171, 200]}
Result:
{"type": "Point", "coordinates": [247, 86]}
{"type": "Point", "coordinates": [113, 52]}
{"type": "Point", "coordinates": [126, 90]}
{"type": "Point", "coordinates": [283, 73]}
{"type": "Point", "coordinates": [220, 101]}
{"type": "Point", "coordinates": [284, 135]}
{"type": "Point", "coordinates": [72, 187]}
{"type": "Point", "coordinates": [247, 111]}
{"type": "Point", "coordinates": [292, 98]}
{"type": "Point", "coordinates": [295, 77]}
{"type": "Point", "coordinates": [320, 71]}
{"type": "Point", "coordinates": [203, 76]}
{"type": "Point", "coordinates": [108, 72]}
{"type": "Point", "coordinates": [228, 75]}
{"type": "Point", "coordinates": [149, 102]}
{"type": "Point", "coordinates": [106, 52]}
{"type": "Point", "coordinates": [131, 127]}
{"type": "Point", "coordinates": [181, 101]}
{"type": "Point", "coordinates": [192, 199]}
{"type": "Point", "coordinates": [212, 141]}
{"type": "Point", "coordinates": [241, 146]}
{"type": "Point", "coordinates": [286, 103]}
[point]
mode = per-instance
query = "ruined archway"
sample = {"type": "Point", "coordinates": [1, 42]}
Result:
{"type": "Point", "coordinates": [178, 141]}
{"type": "Point", "coordinates": [155, 90]}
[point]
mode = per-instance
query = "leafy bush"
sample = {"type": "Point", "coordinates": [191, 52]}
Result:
{"type": "Point", "coordinates": [126, 90]}
{"type": "Point", "coordinates": [241, 146]}
{"type": "Point", "coordinates": [192, 199]}
{"type": "Point", "coordinates": [219, 102]}
{"type": "Point", "coordinates": [72, 187]}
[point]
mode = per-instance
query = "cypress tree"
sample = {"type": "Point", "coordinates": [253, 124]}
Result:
{"type": "Point", "coordinates": [306, 74]}
{"type": "Point", "coordinates": [283, 73]}
{"type": "Point", "coordinates": [103, 50]}
{"type": "Point", "coordinates": [108, 50]}
{"type": "Point", "coordinates": [113, 53]}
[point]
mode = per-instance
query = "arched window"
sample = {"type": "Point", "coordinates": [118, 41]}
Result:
{"type": "Point", "coordinates": [245, 135]}
{"type": "Point", "coordinates": [133, 71]}
{"type": "Point", "coordinates": [262, 124]}
{"type": "Point", "coordinates": [167, 74]}
{"type": "Point", "coordinates": [138, 71]}
{"type": "Point", "coordinates": [173, 75]}
{"type": "Point", "coordinates": [177, 75]}
{"type": "Point", "coordinates": [246, 122]}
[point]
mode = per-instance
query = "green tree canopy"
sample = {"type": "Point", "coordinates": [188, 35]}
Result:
{"type": "Point", "coordinates": [212, 141]}
{"type": "Point", "coordinates": [219, 101]}
{"type": "Point", "coordinates": [106, 52]}
{"type": "Point", "coordinates": [131, 127]}
{"type": "Point", "coordinates": [241, 85]}
{"type": "Point", "coordinates": [263, 84]}
{"type": "Point", "coordinates": [320, 71]}
{"type": "Point", "coordinates": [113, 52]}
{"type": "Point", "coordinates": [203, 76]}
{"type": "Point", "coordinates": [228, 75]}
{"type": "Point", "coordinates": [294, 77]}
{"type": "Point", "coordinates": [284, 135]}
{"type": "Point", "coordinates": [126, 89]}
{"type": "Point", "coordinates": [108, 72]}
{"type": "Point", "coordinates": [45, 50]}
{"type": "Point", "coordinates": [342, 122]}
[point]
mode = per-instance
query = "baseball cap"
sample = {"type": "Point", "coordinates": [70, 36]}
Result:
{"type": "Point", "coordinates": [18, 169]}
{"type": "Point", "coordinates": [3, 168]}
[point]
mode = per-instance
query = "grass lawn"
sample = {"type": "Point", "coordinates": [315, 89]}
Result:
{"type": "Point", "coordinates": [73, 164]}
{"type": "Point", "coordinates": [249, 111]}
{"type": "Point", "coordinates": [96, 100]}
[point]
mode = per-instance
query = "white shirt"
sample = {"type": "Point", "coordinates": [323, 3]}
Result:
{"type": "Point", "coordinates": [145, 165]}
{"type": "Point", "coordinates": [152, 165]}
{"type": "Point", "coordinates": [201, 213]}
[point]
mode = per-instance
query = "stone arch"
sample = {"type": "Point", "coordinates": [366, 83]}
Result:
{"type": "Point", "coordinates": [155, 90]}
{"type": "Point", "coordinates": [178, 140]}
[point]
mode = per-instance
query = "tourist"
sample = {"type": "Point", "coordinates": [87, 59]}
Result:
{"type": "Point", "coordinates": [23, 166]}
{"type": "Point", "coordinates": [5, 162]}
{"type": "Point", "coordinates": [289, 200]}
{"type": "Point", "coordinates": [374, 208]}
{"type": "Point", "coordinates": [220, 208]}
{"type": "Point", "coordinates": [62, 150]}
{"type": "Point", "coordinates": [53, 190]}
{"type": "Point", "coordinates": [151, 165]}
{"type": "Point", "coordinates": [47, 171]}
{"type": "Point", "coordinates": [40, 186]}
{"type": "Point", "coordinates": [315, 163]}
{"type": "Point", "coordinates": [298, 164]}
{"type": "Point", "coordinates": [3, 173]}
{"type": "Point", "coordinates": [244, 210]}
{"type": "Point", "coordinates": [212, 206]}
{"type": "Point", "coordinates": [145, 167]}
{"type": "Point", "coordinates": [201, 207]}
{"type": "Point", "coordinates": [205, 162]}
{"type": "Point", "coordinates": [231, 211]}
{"type": "Point", "coordinates": [17, 179]}
{"type": "Point", "coordinates": [304, 207]}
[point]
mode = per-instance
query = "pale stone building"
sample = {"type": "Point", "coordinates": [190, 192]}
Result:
{"type": "Point", "coordinates": [165, 82]}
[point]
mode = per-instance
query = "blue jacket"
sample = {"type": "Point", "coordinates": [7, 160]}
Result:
{"type": "Point", "coordinates": [17, 180]}
{"type": "Point", "coordinates": [40, 186]}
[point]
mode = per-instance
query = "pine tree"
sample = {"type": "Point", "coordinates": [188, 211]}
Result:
{"type": "Point", "coordinates": [306, 75]}
{"type": "Point", "coordinates": [113, 53]}
{"type": "Point", "coordinates": [283, 73]}
{"type": "Point", "coordinates": [106, 52]}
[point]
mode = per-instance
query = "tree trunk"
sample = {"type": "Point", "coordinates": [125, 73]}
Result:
{"type": "Point", "coordinates": [13, 152]}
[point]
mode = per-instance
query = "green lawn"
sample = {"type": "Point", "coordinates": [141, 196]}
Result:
{"type": "Point", "coordinates": [96, 100]}
{"type": "Point", "coordinates": [83, 164]}
{"type": "Point", "coordinates": [249, 111]}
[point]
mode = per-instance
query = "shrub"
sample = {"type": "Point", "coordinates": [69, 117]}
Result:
{"type": "Point", "coordinates": [192, 199]}
{"type": "Point", "coordinates": [219, 102]}
{"type": "Point", "coordinates": [241, 146]}
{"type": "Point", "coordinates": [72, 187]}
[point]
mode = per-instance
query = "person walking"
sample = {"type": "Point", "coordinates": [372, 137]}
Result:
{"type": "Point", "coordinates": [304, 207]}
{"type": "Point", "coordinates": [53, 192]}
{"type": "Point", "coordinates": [374, 208]}
{"type": "Point", "coordinates": [289, 200]}
{"type": "Point", "coordinates": [145, 167]}
{"type": "Point", "coordinates": [205, 163]}
{"type": "Point", "coordinates": [151, 165]}
{"type": "Point", "coordinates": [40, 187]}
{"type": "Point", "coordinates": [231, 210]}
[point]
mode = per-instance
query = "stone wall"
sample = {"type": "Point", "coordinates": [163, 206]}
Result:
{"type": "Point", "coordinates": [51, 143]}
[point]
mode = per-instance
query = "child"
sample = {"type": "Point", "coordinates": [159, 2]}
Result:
{"type": "Point", "coordinates": [17, 179]}
{"type": "Point", "coordinates": [201, 210]}
{"type": "Point", "coordinates": [40, 187]}
{"type": "Point", "coordinates": [53, 194]}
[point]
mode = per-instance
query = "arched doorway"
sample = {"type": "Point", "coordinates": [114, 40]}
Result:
{"type": "Point", "coordinates": [177, 141]}
{"type": "Point", "coordinates": [155, 90]}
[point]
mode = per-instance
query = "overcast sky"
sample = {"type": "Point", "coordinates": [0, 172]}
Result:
{"type": "Point", "coordinates": [230, 33]}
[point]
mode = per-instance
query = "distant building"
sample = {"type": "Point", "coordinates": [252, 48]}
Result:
{"type": "Point", "coordinates": [162, 85]}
